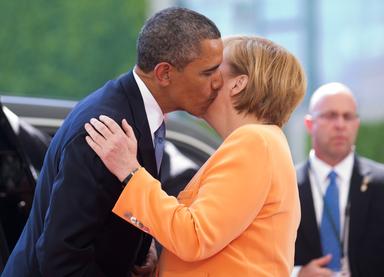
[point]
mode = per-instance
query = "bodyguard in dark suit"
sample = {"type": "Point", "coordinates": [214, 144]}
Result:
{"type": "Point", "coordinates": [71, 230]}
{"type": "Point", "coordinates": [333, 125]}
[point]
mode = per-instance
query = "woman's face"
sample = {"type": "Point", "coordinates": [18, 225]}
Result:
{"type": "Point", "coordinates": [222, 102]}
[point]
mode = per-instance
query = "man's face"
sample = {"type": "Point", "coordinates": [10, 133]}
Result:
{"type": "Point", "coordinates": [196, 86]}
{"type": "Point", "coordinates": [333, 126]}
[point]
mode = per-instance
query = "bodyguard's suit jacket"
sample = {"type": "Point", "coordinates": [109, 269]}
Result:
{"type": "Point", "coordinates": [71, 230]}
{"type": "Point", "coordinates": [366, 229]}
{"type": "Point", "coordinates": [237, 217]}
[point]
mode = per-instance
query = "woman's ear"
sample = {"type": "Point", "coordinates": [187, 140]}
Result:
{"type": "Point", "coordinates": [162, 73]}
{"type": "Point", "coordinates": [240, 83]}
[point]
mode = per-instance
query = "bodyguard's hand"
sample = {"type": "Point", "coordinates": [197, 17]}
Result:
{"type": "Point", "coordinates": [115, 147]}
{"type": "Point", "coordinates": [316, 268]}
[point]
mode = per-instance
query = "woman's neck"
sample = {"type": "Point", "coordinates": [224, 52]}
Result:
{"type": "Point", "coordinates": [225, 125]}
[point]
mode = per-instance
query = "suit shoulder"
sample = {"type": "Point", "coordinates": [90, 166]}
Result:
{"type": "Point", "coordinates": [371, 162]}
{"type": "Point", "coordinates": [301, 166]}
{"type": "Point", "coordinates": [375, 168]}
{"type": "Point", "coordinates": [301, 171]}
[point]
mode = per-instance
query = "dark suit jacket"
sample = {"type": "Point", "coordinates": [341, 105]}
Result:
{"type": "Point", "coordinates": [366, 230]}
{"type": "Point", "coordinates": [71, 230]}
{"type": "Point", "coordinates": [4, 252]}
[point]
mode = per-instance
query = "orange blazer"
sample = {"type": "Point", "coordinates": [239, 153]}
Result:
{"type": "Point", "coordinates": [237, 217]}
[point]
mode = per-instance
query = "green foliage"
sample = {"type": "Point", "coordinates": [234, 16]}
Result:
{"type": "Point", "coordinates": [67, 48]}
{"type": "Point", "coordinates": [370, 141]}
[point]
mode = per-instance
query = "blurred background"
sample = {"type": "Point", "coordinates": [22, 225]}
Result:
{"type": "Point", "coordinates": [66, 49]}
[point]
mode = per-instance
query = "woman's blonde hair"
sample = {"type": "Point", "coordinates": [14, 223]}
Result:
{"type": "Point", "coordinates": [276, 80]}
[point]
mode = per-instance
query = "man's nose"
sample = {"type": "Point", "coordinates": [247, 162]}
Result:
{"type": "Point", "coordinates": [340, 121]}
{"type": "Point", "coordinates": [217, 80]}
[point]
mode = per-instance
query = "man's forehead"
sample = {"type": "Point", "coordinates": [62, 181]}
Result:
{"type": "Point", "coordinates": [338, 102]}
{"type": "Point", "coordinates": [207, 61]}
{"type": "Point", "coordinates": [331, 94]}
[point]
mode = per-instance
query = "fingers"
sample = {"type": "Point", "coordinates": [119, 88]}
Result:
{"type": "Point", "coordinates": [128, 129]}
{"type": "Point", "coordinates": [110, 124]}
{"type": "Point", "coordinates": [101, 127]}
{"type": "Point", "coordinates": [316, 267]}
{"type": "Point", "coordinates": [106, 134]}
{"type": "Point", "coordinates": [94, 135]}
{"type": "Point", "coordinates": [323, 261]}
{"type": "Point", "coordinates": [95, 147]}
{"type": "Point", "coordinates": [150, 263]}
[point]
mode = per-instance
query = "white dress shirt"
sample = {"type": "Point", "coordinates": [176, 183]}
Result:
{"type": "Point", "coordinates": [152, 109]}
{"type": "Point", "coordinates": [318, 176]}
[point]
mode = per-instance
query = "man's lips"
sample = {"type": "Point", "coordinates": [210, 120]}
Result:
{"type": "Point", "coordinates": [339, 139]}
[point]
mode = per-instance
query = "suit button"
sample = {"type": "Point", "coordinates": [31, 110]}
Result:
{"type": "Point", "coordinates": [133, 220]}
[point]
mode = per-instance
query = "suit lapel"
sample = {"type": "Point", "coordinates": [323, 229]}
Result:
{"type": "Point", "coordinates": [359, 203]}
{"type": "Point", "coordinates": [309, 227]}
{"type": "Point", "coordinates": [146, 153]}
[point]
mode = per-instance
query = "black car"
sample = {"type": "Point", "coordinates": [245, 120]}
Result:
{"type": "Point", "coordinates": [26, 128]}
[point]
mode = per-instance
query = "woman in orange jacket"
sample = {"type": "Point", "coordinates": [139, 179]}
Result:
{"type": "Point", "coordinates": [239, 215]}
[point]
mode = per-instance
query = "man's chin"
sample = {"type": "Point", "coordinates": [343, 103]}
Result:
{"type": "Point", "coordinates": [341, 152]}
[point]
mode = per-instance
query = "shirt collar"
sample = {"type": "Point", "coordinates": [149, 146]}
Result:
{"type": "Point", "coordinates": [152, 109]}
{"type": "Point", "coordinates": [343, 169]}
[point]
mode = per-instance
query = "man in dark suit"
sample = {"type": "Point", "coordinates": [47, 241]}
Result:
{"type": "Point", "coordinates": [71, 230]}
{"type": "Point", "coordinates": [357, 224]}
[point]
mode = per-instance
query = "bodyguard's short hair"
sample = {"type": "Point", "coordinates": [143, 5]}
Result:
{"type": "Point", "coordinates": [276, 80]}
{"type": "Point", "coordinates": [173, 35]}
{"type": "Point", "coordinates": [328, 89]}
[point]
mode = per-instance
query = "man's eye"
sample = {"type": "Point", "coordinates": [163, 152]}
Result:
{"type": "Point", "coordinates": [208, 73]}
{"type": "Point", "coordinates": [331, 116]}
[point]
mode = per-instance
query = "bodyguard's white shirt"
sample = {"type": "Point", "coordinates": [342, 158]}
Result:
{"type": "Point", "coordinates": [152, 109]}
{"type": "Point", "coordinates": [318, 176]}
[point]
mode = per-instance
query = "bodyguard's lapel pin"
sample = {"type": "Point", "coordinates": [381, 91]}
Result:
{"type": "Point", "coordinates": [364, 183]}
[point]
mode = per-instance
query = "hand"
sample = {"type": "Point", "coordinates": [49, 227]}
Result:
{"type": "Point", "coordinates": [116, 148]}
{"type": "Point", "coordinates": [316, 268]}
{"type": "Point", "coordinates": [150, 263]}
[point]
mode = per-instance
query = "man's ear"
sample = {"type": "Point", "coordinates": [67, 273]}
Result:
{"type": "Point", "coordinates": [162, 73]}
{"type": "Point", "coordinates": [239, 85]}
{"type": "Point", "coordinates": [308, 122]}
